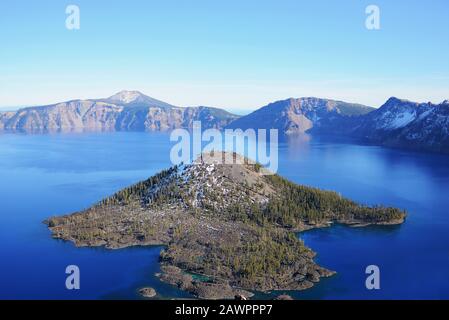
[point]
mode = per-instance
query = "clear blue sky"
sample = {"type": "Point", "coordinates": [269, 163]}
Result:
{"type": "Point", "coordinates": [233, 54]}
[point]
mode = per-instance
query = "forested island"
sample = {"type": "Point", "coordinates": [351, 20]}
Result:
{"type": "Point", "coordinates": [227, 229]}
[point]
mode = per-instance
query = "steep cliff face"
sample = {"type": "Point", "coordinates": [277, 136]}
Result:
{"type": "Point", "coordinates": [429, 131]}
{"type": "Point", "coordinates": [299, 115]}
{"type": "Point", "coordinates": [163, 119]}
{"type": "Point", "coordinates": [4, 118]}
{"type": "Point", "coordinates": [65, 116]}
{"type": "Point", "coordinates": [150, 118]}
{"type": "Point", "coordinates": [406, 124]}
{"type": "Point", "coordinates": [126, 110]}
{"type": "Point", "coordinates": [398, 123]}
{"type": "Point", "coordinates": [210, 117]}
{"type": "Point", "coordinates": [394, 115]}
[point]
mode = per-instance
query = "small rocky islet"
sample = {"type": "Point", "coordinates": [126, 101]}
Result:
{"type": "Point", "coordinates": [227, 229]}
{"type": "Point", "coordinates": [147, 292]}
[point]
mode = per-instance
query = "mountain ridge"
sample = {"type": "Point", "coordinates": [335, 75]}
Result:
{"type": "Point", "coordinates": [401, 123]}
{"type": "Point", "coordinates": [126, 110]}
{"type": "Point", "coordinates": [398, 123]}
{"type": "Point", "coordinates": [298, 115]}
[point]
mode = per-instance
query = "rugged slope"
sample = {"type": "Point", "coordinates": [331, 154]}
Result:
{"type": "Point", "coordinates": [228, 229]}
{"type": "Point", "coordinates": [79, 114]}
{"type": "Point", "coordinates": [4, 118]}
{"type": "Point", "coordinates": [406, 124]}
{"type": "Point", "coordinates": [300, 115]}
{"type": "Point", "coordinates": [126, 110]}
{"type": "Point", "coordinates": [398, 123]}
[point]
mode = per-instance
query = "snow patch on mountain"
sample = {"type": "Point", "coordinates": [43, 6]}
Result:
{"type": "Point", "coordinates": [126, 96]}
{"type": "Point", "coordinates": [400, 120]}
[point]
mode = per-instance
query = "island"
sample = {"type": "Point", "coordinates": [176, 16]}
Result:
{"type": "Point", "coordinates": [227, 229]}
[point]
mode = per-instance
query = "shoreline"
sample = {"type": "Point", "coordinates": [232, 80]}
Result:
{"type": "Point", "coordinates": [264, 295]}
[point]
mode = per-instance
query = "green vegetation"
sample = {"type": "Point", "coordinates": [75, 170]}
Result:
{"type": "Point", "coordinates": [155, 190]}
{"type": "Point", "coordinates": [297, 204]}
{"type": "Point", "coordinates": [258, 259]}
{"type": "Point", "coordinates": [230, 225]}
{"type": "Point", "coordinates": [292, 206]}
{"type": "Point", "coordinates": [221, 114]}
{"type": "Point", "coordinates": [272, 251]}
{"type": "Point", "coordinates": [353, 109]}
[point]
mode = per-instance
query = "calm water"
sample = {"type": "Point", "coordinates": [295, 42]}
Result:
{"type": "Point", "coordinates": [44, 175]}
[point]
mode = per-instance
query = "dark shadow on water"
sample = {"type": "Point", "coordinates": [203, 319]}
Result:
{"type": "Point", "coordinates": [377, 230]}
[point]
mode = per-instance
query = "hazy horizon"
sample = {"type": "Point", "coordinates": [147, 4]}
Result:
{"type": "Point", "coordinates": [238, 111]}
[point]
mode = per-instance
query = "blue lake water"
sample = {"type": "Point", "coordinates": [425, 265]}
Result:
{"type": "Point", "coordinates": [53, 174]}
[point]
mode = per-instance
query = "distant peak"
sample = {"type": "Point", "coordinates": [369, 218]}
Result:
{"type": "Point", "coordinates": [126, 96]}
{"type": "Point", "coordinates": [445, 102]}
{"type": "Point", "coordinates": [394, 100]}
